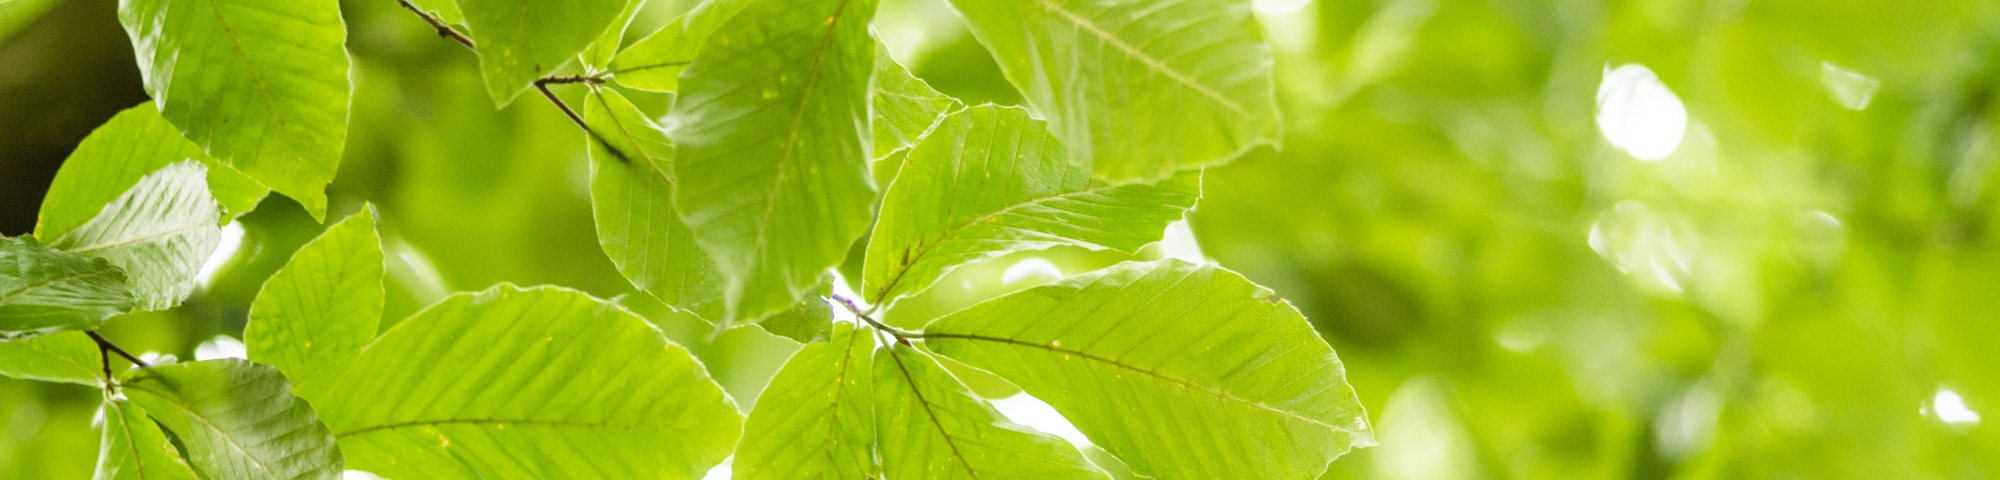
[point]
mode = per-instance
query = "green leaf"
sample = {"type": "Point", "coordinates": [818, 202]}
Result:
{"type": "Point", "coordinates": [237, 420]}
{"type": "Point", "coordinates": [134, 143]}
{"type": "Point", "coordinates": [773, 137]}
{"type": "Point", "coordinates": [814, 420]}
{"type": "Point", "coordinates": [905, 107]}
{"type": "Point", "coordinates": [67, 357]}
{"type": "Point", "coordinates": [655, 62]}
{"type": "Point", "coordinates": [521, 41]}
{"type": "Point", "coordinates": [808, 321]}
{"type": "Point", "coordinates": [159, 232]}
{"type": "Point", "coordinates": [602, 50]}
{"type": "Point", "coordinates": [931, 426]}
{"type": "Point", "coordinates": [134, 448]}
{"type": "Point", "coordinates": [261, 85]}
{"type": "Point", "coordinates": [1182, 370]}
{"type": "Point", "coordinates": [44, 290]}
{"type": "Point", "coordinates": [990, 180]}
{"type": "Point", "coordinates": [632, 198]}
{"type": "Point", "coordinates": [1137, 89]}
{"type": "Point", "coordinates": [313, 317]}
{"type": "Point", "coordinates": [537, 383]}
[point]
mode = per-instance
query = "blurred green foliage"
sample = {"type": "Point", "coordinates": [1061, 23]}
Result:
{"type": "Point", "coordinates": [1801, 290]}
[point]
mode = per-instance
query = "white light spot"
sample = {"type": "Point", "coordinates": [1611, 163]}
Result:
{"type": "Point", "coordinates": [1951, 409]}
{"type": "Point", "coordinates": [232, 240]}
{"type": "Point", "coordinates": [1033, 412]}
{"type": "Point", "coordinates": [721, 471]}
{"type": "Point", "coordinates": [1638, 114]}
{"type": "Point", "coordinates": [358, 475]}
{"type": "Point", "coordinates": [1848, 88]}
{"type": "Point", "coordinates": [222, 346]}
{"type": "Point", "coordinates": [1279, 7]}
{"type": "Point", "coordinates": [1037, 269]}
{"type": "Point", "coordinates": [1178, 243]}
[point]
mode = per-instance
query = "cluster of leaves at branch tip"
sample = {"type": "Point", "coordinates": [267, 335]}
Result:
{"type": "Point", "coordinates": [797, 145]}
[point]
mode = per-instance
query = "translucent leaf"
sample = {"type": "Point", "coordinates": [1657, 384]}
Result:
{"type": "Point", "coordinates": [1181, 370]}
{"type": "Point", "coordinates": [261, 85]}
{"type": "Point", "coordinates": [44, 290]}
{"type": "Point", "coordinates": [931, 426]}
{"type": "Point", "coordinates": [772, 131]}
{"type": "Point", "coordinates": [655, 62]}
{"type": "Point", "coordinates": [529, 384]}
{"type": "Point", "coordinates": [990, 180]}
{"type": "Point", "coordinates": [808, 321]}
{"type": "Point", "coordinates": [601, 51]}
{"type": "Point", "coordinates": [134, 448]}
{"type": "Point", "coordinates": [905, 107]}
{"type": "Point", "coordinates": [1136, 89]}
{"type": "Point", "coordinates": [520, 42]}
{"type": "Point", "coordinates": [632, 198]}
{"type": "Point", "coordinates": [313, 317]}
{"type": "Point", "coordinates": [814, 420]}
{"type": "Point", "coordinates": [134, 143]}
{"type": "Point", "coordinates": [67, 357]}
{"type": "Point", "coordinates": [237, 420]}
{"type": "Point", "coordinates": [159, 232]}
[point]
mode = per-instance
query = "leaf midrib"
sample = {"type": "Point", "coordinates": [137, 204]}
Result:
{"type": "Point", "coordinates": [792, 134]}
{"type": "Point", "coordinates": [1151, 373]}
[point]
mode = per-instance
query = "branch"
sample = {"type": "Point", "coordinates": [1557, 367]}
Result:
{"type": "Point", "coordinates": [107, 345]}
{"type": "Point", "coordinates": [901, 335]}
{"type": "Point", "coordinates": [443, 29]}
{"type": "Point", "coordinates": [543, 86]}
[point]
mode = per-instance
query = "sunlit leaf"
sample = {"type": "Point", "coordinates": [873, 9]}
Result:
{"type": "Point", "coordinates": [632, 198]}
{"type": "Point", "coordinates": [529, 384]}
{"type": "Point", "coordinates": [905, 106]}
{"type": "Point", "coordinates": [601, 50]}
{"type": "Point", "coordinates": [931, 426]}
{"type": "Point", "coordinates": [68, 357]}
{"type": "Point", "coordinates": [44, 290]}
{"type": "Point", "coordinates": [159, 232]}
{"type": "Point", "coordinates": [113, 158]}
{"type": "Point", "coordinates": [313, 317]}
{"type": "Point", "coordinates": [810, 320]}
{"type": "Point", "coordinates": [1181, 370]}
{"type": "Point", "coordinates": [990, 180]}
{"type": "Point", "coordinates": [655, 62]}
{"type": "Point", "coordinates": [261, 85]}
{"type": "Point", "coordinates": [814, 420]}
{"type": "Point", "coordinates": [133, 447]}
{"type": "Point", "coordinates": [1136, 89]}
{"type": "Point", "coordinates": [520, 41]}
{"type": "Point", "coordinates": [237, 420]}
{"type": "Point", "coordinates": [772, 131]}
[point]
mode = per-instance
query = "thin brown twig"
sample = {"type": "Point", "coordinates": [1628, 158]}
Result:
{"type": "Point", "coordinates": [443, 29]}
{"type": "Point", "coordinates": [901, 335]}
{"type": "Point", "coordinates": [107, 345]}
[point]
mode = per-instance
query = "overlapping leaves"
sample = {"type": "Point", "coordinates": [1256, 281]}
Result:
{"type": "Point", "coordinates": [261, 85]}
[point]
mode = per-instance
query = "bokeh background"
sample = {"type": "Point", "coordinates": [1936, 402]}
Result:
{"type": "Point", "coordinates": [1807, 287]}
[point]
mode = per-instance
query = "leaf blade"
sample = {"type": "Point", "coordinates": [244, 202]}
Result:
{"type": "Point", "coordinates": [534, 383]}
{"type": "Point", "coordinates": [773, 168]}
{"type": "Point", "coordinates": [317, 312]}
{"type": "Point", "coordinates": [1200, 344]}
{"type": "Point", "coordinates": [160, 231]}
{"type": "Point", "coordinates": [632, 200]}
{"type": "Point", "coordinates": [814, 420]}
{"type": "Point", "coordinates": [262, 86]}
{"type": "Point", "coordinates": [237, 419]}
{"type": "Point", "coordinates": [931, 426]}
{"type": "Point", "coordinates": [134, 448]}
{"type": "Point", "coordinates": [990, 180]}
{"type": "Point", "coordinates": [520, 41]}
{"type": "Point", "coordinates": [905, 106]}
{"type": "Point", "coordinates": [44, 290]}
{"type": "Point", "coordinates": [1138, 90]}
{"type": "Point", "coordinates": [116, 155]}
{"type": "Point", "coordinates": [67, 357]}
